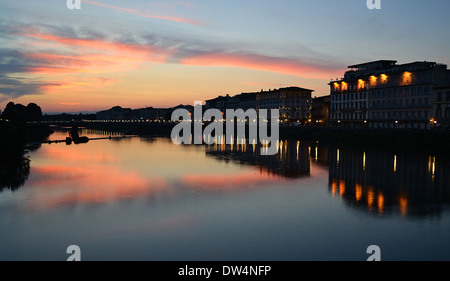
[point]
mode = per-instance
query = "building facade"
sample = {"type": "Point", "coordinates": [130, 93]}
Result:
{"type": "Point", "coordinates": [320, 111]}
{"type": "Point", "coordinates": [294, 103]}
{"type": "Point", "coordinates": [220, 103]}
{"type": "Point", "coordinates": [441, 106]}
{"type": "Point", "coordinates": [382, 94]}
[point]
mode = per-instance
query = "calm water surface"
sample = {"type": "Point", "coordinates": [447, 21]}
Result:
{"type": "Point", "coordinates": [148, 199]}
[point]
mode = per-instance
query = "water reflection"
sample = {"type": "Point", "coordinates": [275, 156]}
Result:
{"type": "Point", "coordinates": [380, 182]}
{"type": "Point", "coordinates": [292, 160]}
{"type": "Point", "coordinates": [14, 170]}
{"type": "Point", "coordinates": [376, 181]}
{"type": "Point", "coordinates": [387, 182]}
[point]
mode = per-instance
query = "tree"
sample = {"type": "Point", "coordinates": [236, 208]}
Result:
{"type": "Point", "coordinates": [33, 112]}
{"type": "Point", "coordinates": [20, 113]}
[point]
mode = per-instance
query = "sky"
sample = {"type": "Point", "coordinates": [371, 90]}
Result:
{"type": "Point", "coordinates": [140, 53]}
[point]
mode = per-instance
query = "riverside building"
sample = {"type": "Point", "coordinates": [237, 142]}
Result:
{"type": "Point", "coordinates": [294, 103]}
{"type": "Point", "coordinates": [382, 94]}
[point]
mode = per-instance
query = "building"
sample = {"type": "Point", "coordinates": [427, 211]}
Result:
{"type": "Point", "coordinates": [294, 103]}
{"type": "Point", "coordinates": [320, 111]}
{"type": "Point", "coordinates": [220, 103]}
{"type": "Point", "coordinates": [441, 106]}
{"type": "Point", "coordinates": [247, 101]}
{"type": "Point", "coordinates": [382, 94]}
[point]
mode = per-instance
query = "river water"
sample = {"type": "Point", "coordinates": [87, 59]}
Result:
{"type": "Point", "coordinates": [149, 199]}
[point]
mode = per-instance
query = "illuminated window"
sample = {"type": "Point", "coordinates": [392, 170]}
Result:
{"type": "Point", "coordinates": [361, 84]}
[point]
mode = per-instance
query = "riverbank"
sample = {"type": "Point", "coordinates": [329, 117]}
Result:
{"type": "Point", "coordinates": [15, 134]}
{"type": "Point", "coordinates": [432, 139]}
{"type": "Point", "coordinates": [400, 138]}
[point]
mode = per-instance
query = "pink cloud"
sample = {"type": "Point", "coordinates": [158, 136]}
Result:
{"type": "Point", "coordinates": [92, 56]}
{"type": "Point", "coordinates": [264, 63]}
{"type": "Point", "coordinates": [108, 6]}
{"type": "Point", "coordinates": [147, 14]}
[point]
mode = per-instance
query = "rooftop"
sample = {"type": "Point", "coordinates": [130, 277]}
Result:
{"type": "Point", "coordinates": [292, 88]}
{"type": "Point", "coordinates": [374, 64]}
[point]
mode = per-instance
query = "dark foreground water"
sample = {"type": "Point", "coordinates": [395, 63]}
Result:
{"type": "Point", "coordinates": [148, 199]}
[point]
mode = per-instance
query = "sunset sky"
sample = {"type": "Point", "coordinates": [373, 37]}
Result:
{"type": "Point", "coordinates": [163, 53]}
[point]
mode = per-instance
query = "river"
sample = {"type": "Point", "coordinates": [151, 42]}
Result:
{"type": "Point", "coordinates": [145, 198]}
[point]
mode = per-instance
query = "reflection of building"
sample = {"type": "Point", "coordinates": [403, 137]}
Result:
{"type": "Point", "coordinates": [441, 105]}
{"type": "Point", "coordinates": [294, 103]}
{"type": "Point", "coordinates": [382, 94]}
{"type": "Point", "coordinates": [320, 111]}
{"type": "Point", "coordinates": [383, 182]}
{"type": "Point", "coordinates": [292, 160]}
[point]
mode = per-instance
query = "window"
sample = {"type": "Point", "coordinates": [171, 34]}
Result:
{"type": "Point", "coordinates": [447, 96]}
{"type": "Point", "coordinates": [439, 96]}
{"type": "Point", "coordinates": [438, 112]}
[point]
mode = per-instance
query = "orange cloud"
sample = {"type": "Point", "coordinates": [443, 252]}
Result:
{"type": "Point", "coordinates": [88, 56]}
{"type": "Point", "coordinates": [95, 56]}
{"type": "Point", "coordinates": [106, 56]}
{"type": "Point", "coordinates": [86, 83]}
{"type": "Point", "coordinates": [121, 51]}
{"type": "Point", "coordinates": [259, 62]}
